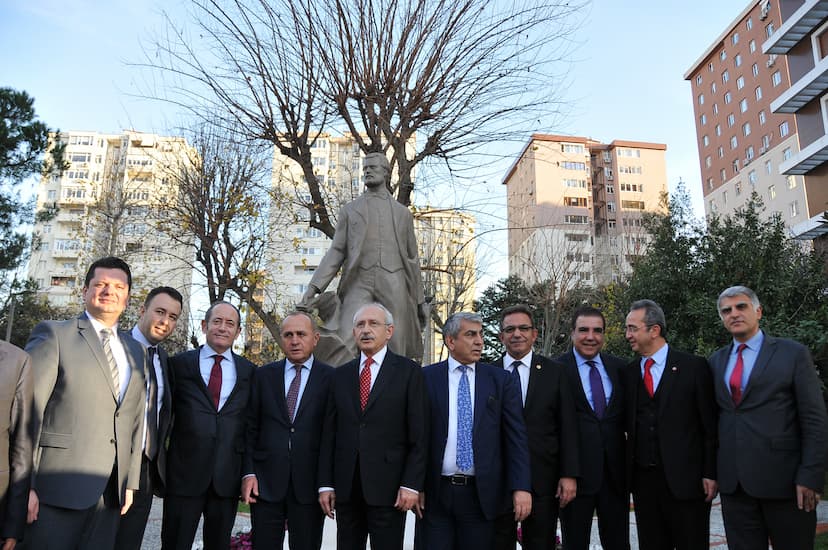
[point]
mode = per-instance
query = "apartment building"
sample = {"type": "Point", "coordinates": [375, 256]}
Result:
{"type": "Point", "coordinates": [575, 205]}
{"type": "Point", "coordinates": [743, 141]}
{"type": "Point", "coordinates": [801, 40]}
{"type": "Point", "coordinates": [105, 203]}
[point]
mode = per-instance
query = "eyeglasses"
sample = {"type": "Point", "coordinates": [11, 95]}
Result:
{"type": "Point", "coordinates": [634, 328]}
{"type": "Point", "coordinates": [372, 324]}
{"type": "Point", "coordinates": [512, 328]}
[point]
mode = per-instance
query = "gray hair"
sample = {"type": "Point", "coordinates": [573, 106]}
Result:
{"type": "Point", "coordinates": [389, 319]}
{"type": "Point", "coordinates": [738, 290]}
{"type": "Point", "coordinates": [452, 325]}
{"type": "Point", "coordinates": [653, 314]}
{"type": "Point", "coordinates": [297, 313]}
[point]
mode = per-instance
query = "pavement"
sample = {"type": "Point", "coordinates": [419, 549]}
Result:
{"type": "Point", "coordinates": [152, 537]}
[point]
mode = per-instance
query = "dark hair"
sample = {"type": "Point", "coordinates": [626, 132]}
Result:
{"type": "Point", "coordinates": [517, 308]}
{"type": "Point", "coordinates": [168, 290]}
{"type": "Point", "coordinates": [653, 314]}
{"type": "Point", "coordinates": [109, 262]}
{"type": "Point", "coordinates": [217, 303]}
{"type": "Point", "coordinates": [587, 311]}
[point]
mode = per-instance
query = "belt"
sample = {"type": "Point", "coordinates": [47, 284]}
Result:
{"type": "Point", "coordinates": [459, 479]}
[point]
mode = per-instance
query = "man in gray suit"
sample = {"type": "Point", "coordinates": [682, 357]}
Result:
{"type": "Point", "coordinates": [773, 433]}
{"type": "Point", "coordinates": [374, 244]}
{"type": "Point", "coordinates": [15, 442]}
{"type": "Point", "coordinates": [89, 395]}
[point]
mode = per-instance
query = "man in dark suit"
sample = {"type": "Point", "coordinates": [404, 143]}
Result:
{"type": "Point", "coordinates": [15, 442]}
{"type": "Point", "coordinates": [549, 413]}
{"type": "Point", "coordinates": [157, 319]}
{"type": "Point", "coordinates": [773, 433]}
{"type": "Point", "coordinates": [211, 390]}
{"type": "Point", "coordinates": [479, 453]}
{"type": "Point", "coordinates": [599, 401]}
{"type": "Point", "coordinates": [372, 459]}
{"type": "Point", "coordinates": [284, 430]}
{"type": "Point", "coordinates": [671, 431]}
{"type": "Point", "coordinates": [88, 417]}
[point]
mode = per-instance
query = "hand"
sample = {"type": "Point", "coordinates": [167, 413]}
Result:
{"type": "Point", "coordinates": [522, 502]}
{"type": "Point", "coordinates": [406, 500]}
{"type": "Point", "coordinates": [127, 501]}
{"type": "Point", "coordinates": [327, 500]}
{"type": "Point", "coordinates": [9, 544]}
{"type": "Point", "coordinates": [806, 499]}
{"type": "Point", "coordinates": [34, 507]}
{"type": "Point", "coordinates": [309, 295]}
{"type": "Point", "coordinates": [419, 508]}
{"type": "Point", "coordinates": [711, 488]}
{"type": "Point", "coordinates": [567, 489]}
{"type": "Point", "coordinates": [249, 489]}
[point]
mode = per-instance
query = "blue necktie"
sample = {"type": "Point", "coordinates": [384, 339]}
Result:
{"type": "Point", "coordinates": [599, 400]}
{"type": "Point", "coordinates": [516, 376]}
{"type": "Point", "coordinates": [465, 454]}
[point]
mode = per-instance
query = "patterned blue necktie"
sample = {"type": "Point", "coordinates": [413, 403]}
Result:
{"type": "Point", "coordinates": [465, 454]}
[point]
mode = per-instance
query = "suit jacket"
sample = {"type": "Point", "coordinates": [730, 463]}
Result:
{"type": "Point", "coordinates": [499, 440]}
{"type": "Point", "coordinates": [601, 440]}
{"type": "Point", "coordinates": [686, 419]}
{"type": "Point", "coordinates": [272, 438]}
{"type": "Point", "coordinates": [164, 423]}
{"type": "Point", "coordinates": [80, 428]}
{"type": "Point", "coordinates": [549, 414]}
{"type": "Point", "coordinates": [387, 441]}
{"type": "Point", "coordinates": [16, 440]}
{"type": "Point", "coordinates": [776, 437]}
{"type": "Point", "coordinates": [206, 445]}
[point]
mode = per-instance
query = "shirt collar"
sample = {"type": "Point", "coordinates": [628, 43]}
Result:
{"type": "Point", "coordinates": [207, 353]}
{"type": "Point", "coordinates": [308, 363]}
{"type": "Point", "coordinates": [454, 363]}
{"type": "Point", "coordinates": [378, 357]}
{"type": "Point", "coordinates": [139, 336]}
{"type": "Point", "coordinates": [98, 326]}
{"type": "Point", "coordinates": [660, 356]}
{"type": "Point", "coordinates": [580, 360]}
{"type": "Point", "coordinates": [753, 344]}
{"type": "Point", "coordinates": [526, 360]}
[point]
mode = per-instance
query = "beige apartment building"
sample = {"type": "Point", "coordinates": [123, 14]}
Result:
{"type": "Point", "coordinates": [801, 39]}
{"type": "Point", "coordinates": [743, 141]}
{"type": "Point", "coordinates": [106, 202]}
{"type": "Point", "coordinates": [574, 207]}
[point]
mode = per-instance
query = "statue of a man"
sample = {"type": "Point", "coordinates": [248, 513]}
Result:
{"type": "Point", "coordinates": [374, 244]}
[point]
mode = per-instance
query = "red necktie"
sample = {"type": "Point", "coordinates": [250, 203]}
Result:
{"type": "Point", "coordinates": [736, 376]}
{"type": "Point", "coordinates": [365, 383]}
{"type": "Point", "coordinates": [214, 386]}
{"type": "Point", "coordinates": [648, 376]}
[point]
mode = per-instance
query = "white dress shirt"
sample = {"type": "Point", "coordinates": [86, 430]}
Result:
{"type": "Point", "coordinates": [304, 373]}
{"type": "Point", "coordinates": [524, 369]}
{"type": "Point", "coordinates": [228, 371]}
{"type": "Point", "coordinates": [450, 454]}
{"type": "Point", "coordinates": [118, 353]}
{"type": "Point", "coordinates": [657, 369]}
{"type": "Point", "coordinates": [378, 358]}
{"type": "Point", "coordinates": [156, 362]}
{"type": "Point", "coordinates": [583, 372]}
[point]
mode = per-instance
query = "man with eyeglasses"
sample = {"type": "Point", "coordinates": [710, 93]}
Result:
{"type": "Point", "coordinates": [772, 431]}
{"type": "Point", "coordinates": [372, 458]}
{"type": "Point", "coordinates": [671, 436]}
{"type": "Point", "coordinates": [211, 390]}
{"type": "Point", "coordinates": [549, 413]}
{"type": "Point", "coordinates": [596, 379]}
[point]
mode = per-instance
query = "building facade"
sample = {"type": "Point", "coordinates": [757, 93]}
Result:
{"type": "Point", "coordinates": [744, 142]}
{"type": "Point", "coordinates": [105, 203]}
{"type": "Point", "coordinates": [574, 207]}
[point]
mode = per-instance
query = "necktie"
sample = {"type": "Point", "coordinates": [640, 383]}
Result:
{"type": "Point", "coordinates": [736, 376]}
{"type": "Point", "coordinates": [293, 391]}
{"type": "Point", "coordinates": [516, 375]}
{"type": "Point", "coordinates": [465, 453]}
{"type": "Point", "coordinates": [214, 386]}
{"type": "Point", "coordinates": [648, 376]}
{"type": "Point", "coordinates": [596, 386]}
{"type": "Point", "coordinates": [365, 383]}
{"type": "Point", "coordinates": [106, 333]}
{"type": "Point", "coordinates": [151, 443]}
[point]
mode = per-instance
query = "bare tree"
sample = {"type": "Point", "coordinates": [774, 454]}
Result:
{"type": "Point", "coordinates": [456, 75]}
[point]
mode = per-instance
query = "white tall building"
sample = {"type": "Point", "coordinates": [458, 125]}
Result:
{"type": "Point", "coordinates": [106, 202]}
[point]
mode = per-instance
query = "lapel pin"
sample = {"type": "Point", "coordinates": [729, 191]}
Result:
{"type": "Point", "coordinates": [537, 367]}
{"type": "Point", "coordinates": [674, 369]}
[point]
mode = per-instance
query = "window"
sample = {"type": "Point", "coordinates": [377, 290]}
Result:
{"type": "Point", "coordinates": [755, 69]}
{"type": "Point", "coordinates": [746, 129]}
{"type": "Point", "coordinates": [51, 194]}
{"type": "Point", "coordinates": [575, 201]}
{"type": "Point", "coordinates": [749, 154]}
{"type": "Point", "coordinates": [791, 181]}
{"type": "Point", "coordinates": [712, 205]}
{"type": "Point", "coordinates": [752, 46]}
{"type": "Point", "coordinates": [576, 237]}
{"type": "Point", "coordinates": [783, 129]}
{"type": "Point", "coordinates": [632, 205]}
{"type": "Point", "coordinates": [731, 120]}
{"type": "Point", "coordinates": [723, 175]}
{"type": "Point", "coordinates": [740, 83]}
{"type": "Point", "coordinates": [769, 30]}
{"type": "Point", "coordinates": [574, 147]}
{"type": "Point", "coordinates": [735, 38]}
{"type": "Point", "coordinates": [570, 218]}
{"type": "Point", "coordinates": [776, 78]}
{"type": "Point", "coordinates": [610, 206]}
{"type": "Point", "coordinates": [734, 142]}
{"type": "Point", "coordinates": [703, 119]}
{"type": "Point", "coordinates": [709, 184]}
{"type": "Point", "coordinates": [582, 184]}
{"type": "Point", "coordinates": [758, 93]}
{"type": "Point", "coordinates": [752, 177]}
{"type": "Point", "coordinates": [736, 166]}
{"type": "Point", "coordinates": [725, 77]}
{"type": "Point", "coordinates": [771, 192]}
{"type": "Point", "coordinates": [705, 140]}
{"type": "Point", "coordinates": [713, 87]}
{"type": "Point", "coordinates": [794, 207]}
{"type": "Point", "coordinates": [570, 165]}
{"type": "Point", "coordinates": [721, 151]}
{"type": "Point", "coordinates": [765, 142]}
{"type": "Point", "coordinates": [715, 108]}
{"type": "Point", "coordinates": [718, 129]}
{"type": "Point", "coordinates": [701, 99]}
{"type": "Point", "coordinates": [728, 98]}
{"type": "Point", "coordinates": [698, 80]}
{"type": "Point", "coordinates": [743, 105]}
{"type": "Point", "coordinates": [786, 153]}
{"type": "Point", "coordinates": [610, 189]}
{"type": "Point", "coordinates": [723, 55]}
{"type": "Point", "coordinates": [710, 67]}
{"type": "Point", "coordinates": [708, 162]}
{"type": "Point", "coordinates": [724, 197]}
{"type": "Point", "coordinates": [768, 167]}
{"type": "Point", "coordinates": [762, 118]}
{"type": "Point", "coordinates": [749, 23]}
{"type": "Point", "coordinates": [737, 60]}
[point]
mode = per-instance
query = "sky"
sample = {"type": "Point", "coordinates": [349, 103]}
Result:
{"type": "Point", "coordinates": [624, 77]}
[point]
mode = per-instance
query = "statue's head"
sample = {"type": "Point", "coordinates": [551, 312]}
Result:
{"type": "Point", "coordinates": [376, 170]}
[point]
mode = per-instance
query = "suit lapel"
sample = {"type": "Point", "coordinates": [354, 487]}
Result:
{"type": "Point", "coordinates": [667, 378]}
{"type": "Point", "coordinates": [195, 372]}
{"type": "Point", "coordinates": [278, 389]}
{"type": "Point", "coordinates": [576, 382]}
{"type": "Point", "coordinates": [310, 390]}
{"type": "Point", "coordinates": [482, 390]}
{"type": "Point", "coordinates": [719, 365]}
{"type": "Point", "coordinates": [535, 373]}
{"type": "Point", "coordinates": [385, 374]}
{"type": "Point", "coordinates": [762, 359]}
{"type": "Point", "coordinates": [87, 332]}
{"type": "Point", "coordinates": [166, 400]}
{"type": "Point", "coordinates": [441, 380]}
{"type": "Point", "coordinates": [614, 377]}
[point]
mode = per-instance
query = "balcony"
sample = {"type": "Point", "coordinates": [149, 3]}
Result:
{"type": "Point", "coordinates": [813, 84]}
{"type": "Point", "coordinates": [796, 27]}
{"type": "Point", "coordinates": [807, 159]}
